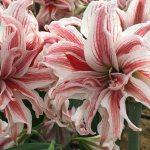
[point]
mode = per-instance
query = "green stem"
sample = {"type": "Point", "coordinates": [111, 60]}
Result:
{"type": "Point", "coordinates": [135, 116]}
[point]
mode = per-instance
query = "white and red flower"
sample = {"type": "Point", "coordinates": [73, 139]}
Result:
{"type": "Point", "coordinates": [20, 43]}
{"type": "Point", "coordinates": [112, 65]}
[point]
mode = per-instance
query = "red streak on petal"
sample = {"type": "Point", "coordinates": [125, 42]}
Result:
{"type": "Point", "coordinates": [139, 12]}
{"type": "Point", "coordinates": [78, 64]}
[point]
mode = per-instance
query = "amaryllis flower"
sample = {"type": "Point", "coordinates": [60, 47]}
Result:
{"type": "Point", "coordinates": [112, 66]}
{"type": "Point", "coordinates": [54, 10]}
{"type": "Point", "coordinates": [19, 45]}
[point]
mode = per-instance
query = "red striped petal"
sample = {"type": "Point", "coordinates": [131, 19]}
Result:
{"type": "Point", "coordinates": [99, 48]}
{"type": "Point", "coordinates": [139, 90]}
{"type": "Point", "coordinates": [33, 98]}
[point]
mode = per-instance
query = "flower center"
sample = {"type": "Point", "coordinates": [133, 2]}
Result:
{"type": "Point", "coordinates": [117, 80]}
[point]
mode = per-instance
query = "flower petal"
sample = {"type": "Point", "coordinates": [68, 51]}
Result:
{"type": "Point", "coordinates": [124, 113]}
{"type": "Point", "coordinates": [111, 102]}
{"type": "Point", "coordinates": [38, 78]}
{"type": "Point", "coordinates": [134, 60]}
{"type": "Point", "coordinates": [138, 11]}
{"type": "Point", "coordinates": [86, 20]}
{"type": "Point", "coordinates": [33, 98]}
{"type": "Point", "coordinates": [17, 115]}
{"type": "Point", "coordinates": [143, 75]}
{"type": "Point", "coordinates": [141, 29]}
{"type": "Point", "coordinates": [17, 9]}
{"type": "Point", "coordinates": [69, 32]}
{"type": "Point", "coordinates": [127, 44]}
{"type": "Point", "coordinates": [99, 48]}
{"type": "Point", "coordinates": [11, 55]}
{"type": "Point", "coordinates": [138, 90]}
{"type": "Point", "coordinates": [14, 33]}
{"type": "Point", "coordinates": [66, 55]}
{"type": "Point", "coordinates": [94, 103]}
{"type": "Point", "coordinates": [6, 95]}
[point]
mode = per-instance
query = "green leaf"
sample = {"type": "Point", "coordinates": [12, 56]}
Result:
{"type": "Point", "coordinates": [31, 146]}
{"type": "Point", "coordinates": [52, 145]}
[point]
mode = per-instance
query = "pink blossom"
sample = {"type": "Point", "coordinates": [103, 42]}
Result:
{"type": "Point", "coordinates": [54, 10]}
{"type": "Point", "coordinates": [19, 45]}
{"type": "Point", "coordinates": [109, 66]}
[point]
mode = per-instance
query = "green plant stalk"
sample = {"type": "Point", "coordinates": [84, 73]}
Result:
{"type": "Point", "coordinates": [135, 110]}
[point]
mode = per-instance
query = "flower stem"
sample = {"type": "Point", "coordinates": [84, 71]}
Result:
{"type": "Point", "coordinates": [135, 116]}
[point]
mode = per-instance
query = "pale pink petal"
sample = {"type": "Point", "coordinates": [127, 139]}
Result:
{"type": "Point", "coordinates": [103, 126]}
{"type": "Point", "coordinates": [56, 63]}
{"type": "Point", "coordinates": [86, 20]}
{"type": "Point", "coordinates": [64, 47]}
{"type": "Point", "coordinates": [144, 75]}
{"type": "Point", "coordinates": [61, 93]}
{"type": "Point", "coordinates": [5, 143]}
{"type": "Point", "coordinates": [66, 55]}
{"type": "Point", "coordinates": [111, 102]}
{"type": "Point", "coordinates": [124, 113]}
{"type": "Point", "coordinates": [78, 62]}
{"type": "Point", "coordinates": [33, 98]}
{"type": "Point", "coordinates": [73, 21]}
{"type": "Point", "coordinates": [138, 11]}
{"type": "Point", "coordinates": [38, 78]}
{"type": "Point", "coordinates": [17, 9]}
{"type": "Point", "coordinates": [141, 29]}
{"type": "Point", "coordinates": [138, 90]}
{"type": "Point", "coordinates": [122, 17]}
{"type": "Point", "coordinates": [6, 96]}
{"type": "Point", "coordinates": [11, 55]}
{"type": "Point", "coordinates": [134, 60]}
{"type": "Point", "coordinates": [2, 87]}
{"type": "Point", "coordinates": [70, 33]}
{"type": "Point", "coordinates": [74, 87]}
{"type": "Point", "coordinates": [23, 63]}
{"type": "Point", "coordinates": [93, 106]}
{"type": "Point", "coordinates": [99, 48]}
{"type": "Point", "coordinates": [17, 115]}
{"type": "Point", "coordinates": [14, 31]}
{"type": "Point", "coordinates": [127, 44]}
{"type": "Point", "coordinates": [72, 56]}
{"type": "Point", "coordinates": [33, 48]}
{"type": "Point", "coordinates": [78, 119]}
{"type": "Point", "coordinates": [106, 141]}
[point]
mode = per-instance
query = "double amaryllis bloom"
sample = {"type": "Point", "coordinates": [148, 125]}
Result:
{"type": "Point", "coordinates": [20, 43]}
{"type": "Point", "coordinates": [56, 9]}
{"type": "Point", "coordinates": [103, 70]}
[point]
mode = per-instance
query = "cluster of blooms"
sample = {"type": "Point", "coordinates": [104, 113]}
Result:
{"type": "Point", "coordinates": [100, 58]}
